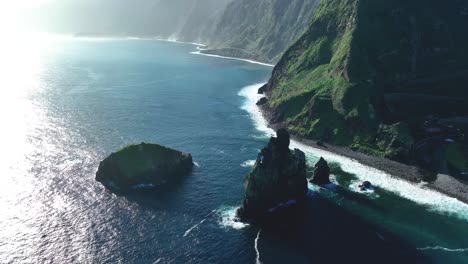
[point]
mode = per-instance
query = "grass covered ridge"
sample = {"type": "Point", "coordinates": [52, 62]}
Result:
{"type": "Point", "coordinates": [332, 83]}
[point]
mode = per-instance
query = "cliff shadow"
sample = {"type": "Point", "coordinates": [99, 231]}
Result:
{"type": "Point", "coordinates": [158, 196]}
{"type": "Point", "coordinates": [319, 231]}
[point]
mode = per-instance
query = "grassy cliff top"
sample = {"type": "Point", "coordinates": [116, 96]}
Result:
{"type": "Point", "coordinates": [365, 66]}
{"type": "Point", "coordinates": [138, 159]}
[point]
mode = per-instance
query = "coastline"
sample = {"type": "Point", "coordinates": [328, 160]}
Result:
{"type": "Point", "coordinates": [181, 42]}
{"type": "Point", "coordinates": [201, 47]}
{"type": "Point", "coordinates": [445, 195]}
{"type": "Point", "coordinates": [199, 52]}
{"type": "Point", "coordinates": [444, 184]}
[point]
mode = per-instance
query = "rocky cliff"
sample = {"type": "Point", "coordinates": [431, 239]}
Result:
{"type": "Point", "coordinates": [368, 74]}
{"type": "Point", "coordinates": [143, 165]}
{"type": "Point", "coordinates": [260, 29]}
{"type": "Point", "coordinates": [321, 173]}
{"type": "Point", "coordinates": [278, 177]}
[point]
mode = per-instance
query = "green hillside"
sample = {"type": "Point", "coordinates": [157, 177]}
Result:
{"type": "Point", "coordinates": [368, 73]}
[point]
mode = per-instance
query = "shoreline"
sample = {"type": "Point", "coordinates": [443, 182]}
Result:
{"type": "Point", "coordinates": [444, 184]}
{"type": "Point", "coordinates": [199, 52]}
{"type": "Point", "coordinates": [200, 47]}
{"type": "Point", "coordinates": [444, 195]}
{"type": "Point", "coordinates": [180, 42]}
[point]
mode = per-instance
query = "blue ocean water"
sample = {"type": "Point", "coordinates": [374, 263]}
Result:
{"type": "Point", "coordinates": [81, 99]}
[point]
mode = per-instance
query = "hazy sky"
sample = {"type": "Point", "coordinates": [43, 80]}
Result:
{"type": "Point", "coordinates": [113, 17]}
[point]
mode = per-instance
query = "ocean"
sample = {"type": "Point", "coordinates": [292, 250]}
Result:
{"type": "Point", "coordinates": [67, 103]}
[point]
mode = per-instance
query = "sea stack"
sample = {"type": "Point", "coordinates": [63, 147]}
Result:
{"type": "Point", "coordinates": [278, 177]}
{"type": "Point", "coordinates": [321, 173]}
{"type": "Point", "coordinates": [143, 165]}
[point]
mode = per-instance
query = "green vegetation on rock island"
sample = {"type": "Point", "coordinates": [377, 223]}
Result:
{"type": "Point", "coordinates": [145, 165]}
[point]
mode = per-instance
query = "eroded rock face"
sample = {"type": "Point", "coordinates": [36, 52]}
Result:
{"type": "Point", "coordinates": [147, 165]}
{"type": "Point", "coordinates": [262, 101]}
{"type": "Point", "coordinates": [321, 173]}
{"type": "Point", "coordinates": [278, 177]}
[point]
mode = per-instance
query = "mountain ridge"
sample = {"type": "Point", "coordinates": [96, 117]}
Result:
{"type": "Point", "coordinates": [370, 74]}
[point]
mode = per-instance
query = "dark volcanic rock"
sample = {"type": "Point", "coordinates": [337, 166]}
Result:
{"type": "Point", "coordinates": [365, 186]}
{"type": "Point", "coordinates": [143, 165]}
{"type": "Point", "coordinates": [321, 173]}
{"type": "Point", "coordinates": [262, 89]}
{"type": "Point", "coordinates": [278, 177]}
{"type": "Point", "coordinates": [262, 101]}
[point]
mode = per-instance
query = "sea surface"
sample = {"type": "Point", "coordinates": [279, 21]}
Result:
{"type": "Point", "coordinates": [67, 103]}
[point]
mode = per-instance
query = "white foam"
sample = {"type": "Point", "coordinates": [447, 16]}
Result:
{"type": "Point", "coordinates": [369, 192]}
{"type": "Point", "coordinates": [232, 58]}
{"type": "Point", "coordinates": [355, 186]}
{"type": "Point", "coordinates": [196, 164]}
{"type": "Point", "coordinates": [256, 247]}
{"type": "Point", "coordinates": [250, 93]}
{"type": "Point", "coordinates": [193, 227]}
{"type": "Point", "coordinates": [228, 218]}
{"type": "Point", "coordinates": [248, 163]}
{"type": "Point", "coordinates": [445, 249]}
{"type": "Point", "coordinates": [435, 201]}
{"type": "Point", "coordinates": [174, 40]}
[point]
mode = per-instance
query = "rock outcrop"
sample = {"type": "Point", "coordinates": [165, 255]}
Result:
{"type": "Point", "coordinates": [321, 173]}
{"type": "Point", "coordinates": [262, 101]}
{"type": "Point", "coordinates": [365, 186]}
{"type": "Point", "coordinates": [278, 177]}
{"type": "Point", "coordinates": [146, 165]}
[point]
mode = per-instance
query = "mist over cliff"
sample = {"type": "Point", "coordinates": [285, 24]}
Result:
{"type": "Point", "coordinates": [123, 17]}
{"type": "Point", "coordinates": [255, 29]}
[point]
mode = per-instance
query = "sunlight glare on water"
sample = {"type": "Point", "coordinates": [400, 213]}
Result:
{"type": "Point", "coordinates": [20, 65]}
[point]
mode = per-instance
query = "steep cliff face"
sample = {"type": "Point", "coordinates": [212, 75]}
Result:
{"type": "Point", "coordinates": [200, 23]}
{"type": "Point", "coordinates": [261, 29]}
{"type": "Point", "coordinates": [367, 73]}
{"type": "Point", "coordinates": [278, 177]}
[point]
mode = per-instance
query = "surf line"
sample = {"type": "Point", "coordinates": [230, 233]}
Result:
{"type": "Point", "coordinates": [256, 247]}
{"type": "Point", "coordinates": [232, 58]}
{"type": "Point", "coordinates": [196, 226]}
{"type": "Point", "coordinates": [437, 202]}
{"type": "Point", "coordinates": [444, 249]}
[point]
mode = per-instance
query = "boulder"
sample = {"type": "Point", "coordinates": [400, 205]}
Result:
{"type": "Point", "coordinates": [365, 186]}
{"type": "Point", "coordinates": [321, 173]}
{"type": "Point", "coordinates": [147, 165]}
{"type": "Point", "coordinates": [278, 177]}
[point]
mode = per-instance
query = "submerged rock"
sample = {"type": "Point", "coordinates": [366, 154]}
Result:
{"type": "Point", "coordinates": [365, 186]}
{"type": "Point", "coordinates": [146, 165]}
{"type": "Point", "coordinates": [278, 177]}
{"type": "Point", "coordinates": [321, 173]}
